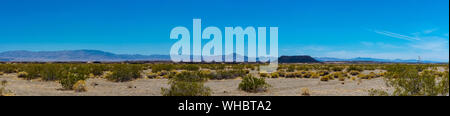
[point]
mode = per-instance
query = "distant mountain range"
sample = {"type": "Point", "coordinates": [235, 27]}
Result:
{"type": "Point", "coordinates": [76, 55]}
{"type": "Point", "coordinates": [96, 55]}
{"type": "Point", "coordinates": [361, 59]}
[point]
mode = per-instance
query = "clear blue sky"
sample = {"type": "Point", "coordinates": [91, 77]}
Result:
{"type": "Point", "coordinates": [390, 29]}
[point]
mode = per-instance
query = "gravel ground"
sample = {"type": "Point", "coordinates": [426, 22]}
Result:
{"type": "Point", "coordinates": [152, 87]}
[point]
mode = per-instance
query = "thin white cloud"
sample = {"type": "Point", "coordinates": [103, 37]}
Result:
{"type": "Point", "coordinates": [429, 31]}
{"type": "Point", "coordinates": [431, 44]}
{"type": "Point", "coordinates": [395, 35]}
{"type": "Point", "coordinates": [367, 43]}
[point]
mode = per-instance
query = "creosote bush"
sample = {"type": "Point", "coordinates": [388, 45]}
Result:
{"type": "Point", "coordinates": [228, 74]}
{"type": "Point", "coordinates": [264, 74]}
{"type": "Point", "coordinates": [341, 78]}
{"type": "Point", "coordinates": [305, 92]}
{"type": "Point", "coordinates": [125, 72]}
{"type": "Point", "coordinates": [253, 84]}
{"type": "Point", "coordinates": [187, 83]}
{"type": "Point", "coordinates": [22, 74]}
{"type": "Point", "coordinates": [274, 75]}
{"type": "Point", "coordinates": [315, 75]}
{"type": "Point", "coordinates": [354, 72]}
{"type": "Point", "coordinates": [325, 78]}
{"type": "Point", "coordinates": [151, 75]}
{"type": "Point", "coordinates": [80, 86]}
{"type": "Point", "coordinates": [68, 81]}
{"type": "Point", "coordinates": [3, 90]}
{"type": "Point", "coordinates": [413, 80]}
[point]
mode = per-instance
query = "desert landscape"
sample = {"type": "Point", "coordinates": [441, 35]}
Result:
{"type": "Point", "coordinates": [170, 79]}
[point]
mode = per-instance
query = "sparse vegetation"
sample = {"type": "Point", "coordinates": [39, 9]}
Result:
{"type": "Point", "coordinates": [187, 84]}
{"type": "Point", "coordinates": [253, 84]}
{"type": "Point", "coordinates": [408, 80]}
{"type": "Point", "coordinates": [3, 90]}
{"type": "Point", "coordinates": [305, 92]}
{"type": "Point", "coordinates": [80, 86]}
{"type": "Point", "coordinates": [325, 78]}
{"type": "Point", "coordinates": [124, 72]}
{"type": "Point", "coordinates": [70, 79]}
{"type": "Point", "coordinates": [22, 74]}
{"type": "Point", "coordinates": [354, 72]}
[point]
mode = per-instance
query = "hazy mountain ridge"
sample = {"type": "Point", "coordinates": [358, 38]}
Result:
{"type": "Point", "coordinates": [76, 55]}
{"type": "Point", "coordinates": [362, 59]}
{"type": "Point", "coordinates": [97, 55]}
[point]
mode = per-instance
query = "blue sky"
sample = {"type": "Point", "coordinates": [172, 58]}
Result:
{"type": "Point", "coordinates": [390, 29]}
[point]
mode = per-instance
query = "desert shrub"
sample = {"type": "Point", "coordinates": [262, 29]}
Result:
{"type": "Point", "coordinates": [303, 67]}
{"type": "Point", "coordinates": [372, 75]}
{"type": "Point", "coordinates": [323, 72]}
{"type": "Point", "coordinates": [299, 74]}
{"type": "Point", "coordinates": [291, 68]}
{"type": "Point", "coordinates": [353, 78]}
{"type": "Point", "coordinates": [187, 84]}
{"type": "Point", "coordinates": [52, 72]}
{"type": "Point", "coordinates": [281, 73]}
{"type": "Point", "coordinates": [315, 75]}
{"type": "Point", "coordinates": [151, 75]}
{"type": "Point", "coordinates": [228, 74]}
{"type": "Point", "coordinates": [305, 92]}
{"type": "Point", "coordinates": [190, 67]}
{"type": "Point", "coordinates": [8, 68]}
{"type": "Point", "coordinates": [22, 74]}
{"type": "Point", "coordinates": [337, 75]}
{"type": "Point", "coordinates": [444, 84]}
{"type": "Point", "coordinates": [407, 81]}
{"type": "Point", "coordinates": [32, 71]}
{"type": "Point", "coordinates": [160, 67]}
{"type": "Point", "coordinates": [363, 76]}
{"type": "Point", "coordinates": [251, 67]}
{"type": "Point", "coordinates": [264, 74]}
{"type": "Point", "coordinates": [3, 90]}
{"type": "Point", "coordinates": [355, 67]}
{"type": "Point", "coordinates": [80, 86]}
{"type": "Point", "coordinates": [3, 83]}
{"type": "Point", "coordinates": [124, 73]}
{"type": "Point", "coordinates": [274, 75]}
{"type": "Point", "coordinates": [341, 78]}
{"type": "Point", "coordinates": [290, 75]}
{"type": "Point", "coordinates": [163, 73]}
{"type": "Point", "coordinates": [325, 78]}
{"type": "Point", "coordinates": [307, 75]}
{"type": "Point", "coordinates": [381, 74]}
{"type": "Point", "coordinates": [354, 72]}
{"type": "Point", "coordinates": [253, 84]}
{"type": "Point", "coordinates": [107, 74]}
{"type": "Point", "coordinates": [97, 69]}
{"type": "Point", "coordinates": [337, 68]}
{"type": "Point", "coordinates": [376, 92]}
{"type": "Point", "coordinates": [68, 81]}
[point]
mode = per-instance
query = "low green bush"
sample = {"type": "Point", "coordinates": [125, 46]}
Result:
{"type": "Point", "coordinates": [409, 80]}
{"type": "Point", "coordinates": [187, 84]}
{"type": "Point", "coordinates": [228, 74]}
{"type": "Point", "coordinates": [253, 84]}
{"type": "Point", "coordinates": [274, 75]}
{"type": "Point", "coordinates": [125, 72]}
{"type": "Point", "coordinates": [325, 78]}
{"type": "Point", "coordinates": [68, 81]}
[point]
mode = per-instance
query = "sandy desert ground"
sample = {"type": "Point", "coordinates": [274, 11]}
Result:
{"type": "Point", "coordinates": [152, 87]}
